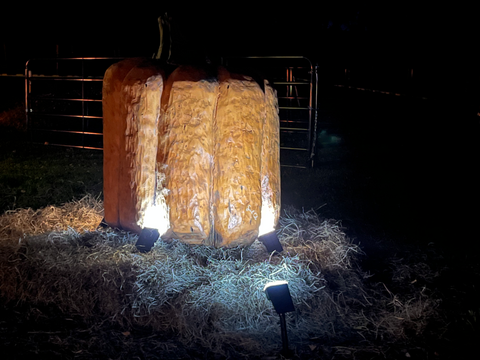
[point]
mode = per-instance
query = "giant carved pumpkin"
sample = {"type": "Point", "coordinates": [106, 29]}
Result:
{"type": "Point", "coordinates": [195, 155]}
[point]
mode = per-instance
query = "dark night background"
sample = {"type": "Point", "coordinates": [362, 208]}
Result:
{"type": "Point", "coordinates": [437, 41]}
{"type": "Point", "coordinates": [437, 167]}
{"type": "Point", "coordinates": [330, 31]}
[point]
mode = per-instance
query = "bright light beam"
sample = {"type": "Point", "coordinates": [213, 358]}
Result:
{"type": "Point", "coordinates": [156, 217]}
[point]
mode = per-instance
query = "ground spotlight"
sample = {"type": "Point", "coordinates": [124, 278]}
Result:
{"type": "Point", "coordinates": [147, 239]}
{"type": "Point", "coordinates": [271, 242]}
{"type": "Point", "coordinates": [279, 294]}
{"type": "Point", "coordinates": [103, 224]}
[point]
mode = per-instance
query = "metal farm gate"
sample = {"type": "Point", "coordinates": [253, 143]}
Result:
{"type": "Point", "coordinates": [63, 101]}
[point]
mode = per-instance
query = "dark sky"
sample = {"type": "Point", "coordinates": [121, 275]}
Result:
{"type": "Point", "coordinates": [280, 30]}
{"type": "Point", "coordinates": [328, 32]}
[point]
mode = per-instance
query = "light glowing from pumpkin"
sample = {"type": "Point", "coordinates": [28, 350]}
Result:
{"type": "Point", "coordinates": [156, 217]}
{"type": "Point", "coordinates": [267, 221]}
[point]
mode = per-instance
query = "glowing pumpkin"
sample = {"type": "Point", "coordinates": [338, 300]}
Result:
{"type": "Point", "coordinates": [195, 155]}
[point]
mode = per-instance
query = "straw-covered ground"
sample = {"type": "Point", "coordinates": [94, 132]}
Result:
{"type": "Point", "coordinates": [70, 290]}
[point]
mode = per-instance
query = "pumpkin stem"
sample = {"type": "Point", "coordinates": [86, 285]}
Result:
{"type": "Point", "coordinates": [165, 30]}
{"type": "Point", "coordinates": [180, 39]}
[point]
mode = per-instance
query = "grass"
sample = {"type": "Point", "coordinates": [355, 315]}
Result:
{"type": "Point", "coordinates": [35, 175]}
{"type": "Point", "coordinates": [70, 290]}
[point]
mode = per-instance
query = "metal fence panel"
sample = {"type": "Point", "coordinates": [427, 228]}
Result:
{"type": "Point", "coordinates": [63, 101]}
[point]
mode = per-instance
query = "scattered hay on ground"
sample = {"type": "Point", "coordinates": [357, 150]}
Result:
{"type": "Point", "coordinates": [84, 214]}
{"type": "Point", "coordinates": [320, 241]}
{"type": "Point", "coordinates": [207, 297]}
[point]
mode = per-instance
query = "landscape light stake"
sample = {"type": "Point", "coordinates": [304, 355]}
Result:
{"type": "Point", "coordinates": [283, 329]}
{"type": "Point", "coordinates": [279, 294]}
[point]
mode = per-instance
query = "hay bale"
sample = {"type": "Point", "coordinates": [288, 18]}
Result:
{"type": "Point", "coordinates": [186, 151]}
{"type": "Point", "coordinates": [131, 107]}
{"type": "Point", "coordinates": [270, 172]}
{"type": "Point", "coordinates": [237, 196]}
{"type": "Point", "coordinates": [144, 86]}
{"type": "Point", "coordinates": [114, 126]}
